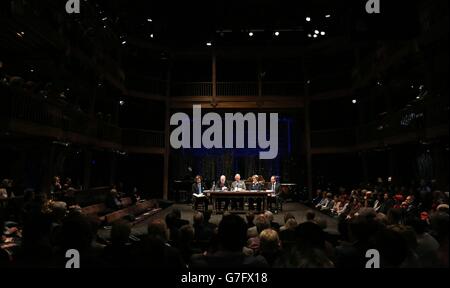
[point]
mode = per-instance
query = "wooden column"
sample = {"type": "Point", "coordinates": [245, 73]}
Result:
{"type": "Point", "coordinates": [167, 135]}
{"type": "Point", "coordinates": [214, 78]}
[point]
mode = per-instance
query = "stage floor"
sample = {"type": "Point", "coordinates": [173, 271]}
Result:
{"type": "Point", "coordinates": [297, 209]}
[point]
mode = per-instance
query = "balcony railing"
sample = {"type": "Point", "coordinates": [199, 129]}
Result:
{"type": "Point", "coordinates": [238, 89]}
{"type": "Point", "coordinates": [63, 116]}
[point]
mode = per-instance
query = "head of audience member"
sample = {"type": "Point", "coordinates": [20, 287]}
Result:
{"type": "Point", "coordinates": [198, 219]}
{"type": "Point", "coordinates": [291, 224]}
{"type": "Point", "coordinates": [309, 236]}
{"type": "Point", "coordinates": [382, 219]}
{"type": "Point", "coordinates": [442, 208]}
{"type": "Point", "coordinates": [391, 246]}
{"type": "Point", "coordinates": [187, 235]}
{"type": "Point", "coordinates": [439, 225]}
{"type": "Point", "coordinates": [171, 220]}
{"type": "Point", "coordinates": [261, 223]}
{"type": "Point", "coordinates": [198, 179]}
{"type": "Point", "coordinates": [408, 234]}
{"type": "Point", "coordinates": [157, 229]}
{"type": "Point", "coordinates": [222, 179]}
{"type": "Point", "coordinates": [395, 215]}
{"type": "Point", "coordinates": [269, 216]}
{"type": "Point", "coordinates": [319, 193]}
{"type": "Point", "coordinates": [58, 211]}
{"type": "Point", "coordinates": [310, 215]}
{"type": "Point", "coordinates": [255, 179]}
{"type": "Point", "coordinates": [288, 216]}
{"type": "Point", "coordinates": [120, 233]}
{"type": "Point", "coordinates": [250, 217]}
{"type": "Point", "coordinates": [269, 241]}
{"type": "Point", "coordinates": [329, 196]}
{"type": "Point", "coordinates": [363, 226]}
{"type": "Point", "coordinates": [177, 213]}
{"type": "Point", "coordinates": [273, 179]}
{"type": "Point", "coordinates": [232, 233]}
{"type": "Point", "coordinates": [237, 177]}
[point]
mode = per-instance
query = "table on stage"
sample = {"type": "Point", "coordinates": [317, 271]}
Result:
{"type": "Point", "coordinates": [214, 195]}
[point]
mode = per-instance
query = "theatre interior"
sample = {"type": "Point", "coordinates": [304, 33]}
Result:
{"type": "Point", "coordinates": [89, 162]}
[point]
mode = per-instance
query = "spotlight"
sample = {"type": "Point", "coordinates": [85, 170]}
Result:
{"type": "Point", "coordinates": [308, 19]}
{"type": "Point", "coordinates": [149, 20]}
{"type": "Point", "coordinates": [277, 33]}
{"type": "Point", "coordinates": [322, 33]}
{"type": "Point", "coordinates": [208, 44]}
{"type": "Point", "coordinates": [250, 34]}
{"type": "Point", "coordinates": [309, 35]}
{"type": "Point", "coordinates": [315, 35]}
{"type": "Point", "coordinates": [327, 16]}
{"type": "Point", "coordinates": [316, 31]}
{"type": "Point", "coordinates": [121, 102]}
{"type": "Point", "coordinates": [124, 42]}
{"type": "Point", "coordinates": [354, 101]}
{"type": "Point", "coordinates": [379, 83]}
{"type": "Point", "coordinates": [151, 35]}
{"type": "Point", "coordinates": [104, 18]}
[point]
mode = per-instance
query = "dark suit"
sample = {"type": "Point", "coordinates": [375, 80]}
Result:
{"type": "Point", "coordinates": [220, 187]}
{"type": "Point", "coordinates": [196, 189]}
{"type": "Point", "coordinates": [256, 187]}
{"type": "Point", "coordinates": [276, 187]}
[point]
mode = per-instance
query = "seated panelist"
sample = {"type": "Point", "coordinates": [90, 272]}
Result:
{"type": "Point", "coordinates": [197, 193]}
{"type": "Point", "coordinates": [238, 185]}
{"type": "Point", "coordinates": [255, 186]}
{"type": "Point", "coordinates": [222, 185]}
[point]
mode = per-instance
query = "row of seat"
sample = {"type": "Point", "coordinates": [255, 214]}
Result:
{"type": "Point", "coordinates": [136, 213]}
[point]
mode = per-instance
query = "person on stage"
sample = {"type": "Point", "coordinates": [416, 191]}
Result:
{"type": "Point", "coordinates": [222, 185]}
{"type": "Point", "coordinates": [275, 186]}
{"type": "Point", "coordinates": [255, 186]}
{"type": "Point", "coordinates": [236, 186]}
{"type": "Point", "coordinates": [197, 193]}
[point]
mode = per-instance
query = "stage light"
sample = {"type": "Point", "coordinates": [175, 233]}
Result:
{"type": "Point", "coordinates": [315, 35]}
{"type": "Point", "coordinates": [124, 42]}
{"type": "Point", "coordinates": [104, 18]}
{"type": "Point", "coordinates": [316, 32]}
{"type": "Point", "coordinates": [322, 33]}
{"type": "Point", "coordinates": [327, 16]}
{"type": "Point", "coordinates": [149, 20]}
{"type": "Point", "coordinates": [354, 101]}
{"type": "Point", "coordinates": [121, 102]}
{"type": "Point", "coordinates": [31, 70]}
{"type": "Point", "coordinates": [250, 34]}
{"type": "Point", "coordinates": [208, 44]}
{"type": "Point", "coordinates": [308, 19]}
{"type": "Point", "coordinates": [309, 35]}
{"type": "Point", "coordinates": [418, 97]}
{"type": "Point", "coordinates": [151, 35]}
{"type": "Point", "coordinates": [379, 83]}
{"type": "Point", "coordinates": [277, 33]}
{"type": "Point", "coordinates": [20, 34]}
